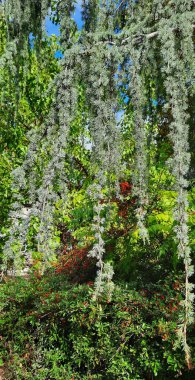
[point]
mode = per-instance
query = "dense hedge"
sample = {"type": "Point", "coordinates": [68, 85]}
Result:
{"type": "Point", "coordinates": [51, 330]}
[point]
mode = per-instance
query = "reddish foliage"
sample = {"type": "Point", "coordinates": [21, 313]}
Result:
{"type": "Point", "coordinates": [90, 283]}
{"type": "Point", "coordinates": [77, 266]}
{"type": "Point", "coordinates": [124, 208]}
{"type": "Point", "coordinates": [176, 285]}
{"type": "Point", "coordinates": [125, 187]}
{"type": "Point", "coordinates": [46, 295]}
{"type": "Point", "coordinates": [123, 212]}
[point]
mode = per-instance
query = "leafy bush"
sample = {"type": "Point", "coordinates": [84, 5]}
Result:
{"type": "Point", "coordinates": [51, 330]}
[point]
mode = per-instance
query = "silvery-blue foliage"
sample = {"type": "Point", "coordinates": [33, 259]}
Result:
{"type": "Point", "coordinates": [118, 43]}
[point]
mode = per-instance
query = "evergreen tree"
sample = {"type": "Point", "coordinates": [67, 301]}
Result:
{"type": "Point", "coordinates": [123, 48]}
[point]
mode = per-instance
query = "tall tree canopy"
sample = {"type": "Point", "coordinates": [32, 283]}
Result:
{"type": "Point", "coordinates": [124, 89]}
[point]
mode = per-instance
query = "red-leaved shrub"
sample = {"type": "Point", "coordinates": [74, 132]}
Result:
{"type": "Point", "coordinates": [77, 266]}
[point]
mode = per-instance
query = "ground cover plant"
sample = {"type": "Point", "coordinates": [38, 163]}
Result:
{"type": "Point", "coordinates": [97, 198]}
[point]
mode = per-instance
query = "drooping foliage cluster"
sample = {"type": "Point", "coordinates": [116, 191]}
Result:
{"type": "Point", "coordinates": [127, 74]}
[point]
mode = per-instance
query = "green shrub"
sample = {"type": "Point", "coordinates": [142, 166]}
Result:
{"type": "Point", "coordinates": [52, 331]}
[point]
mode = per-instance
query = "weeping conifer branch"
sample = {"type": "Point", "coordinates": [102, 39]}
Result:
{"type": "Point", "coordinates": [102, 104]}
{"type": "Point", "coordinates": [103, 281]}
{"type": "Point", "coordinates": [178, 74]}
{"type": "Point", "coordinates": [140, 176]}
{"type": "Point", "coordinates": [43, 190]}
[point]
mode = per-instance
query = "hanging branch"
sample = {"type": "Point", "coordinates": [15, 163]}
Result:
{"type": "Point", "coordinates": [40, 189]}
{"type": "Point", "coordinates": [102, 103]}
{"type": "Point", "coordinates": [103, 281]}
{"type": "Point", "coordinates": [176, 74]}
{"type": "Point", "coordinates": [140, 176]}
